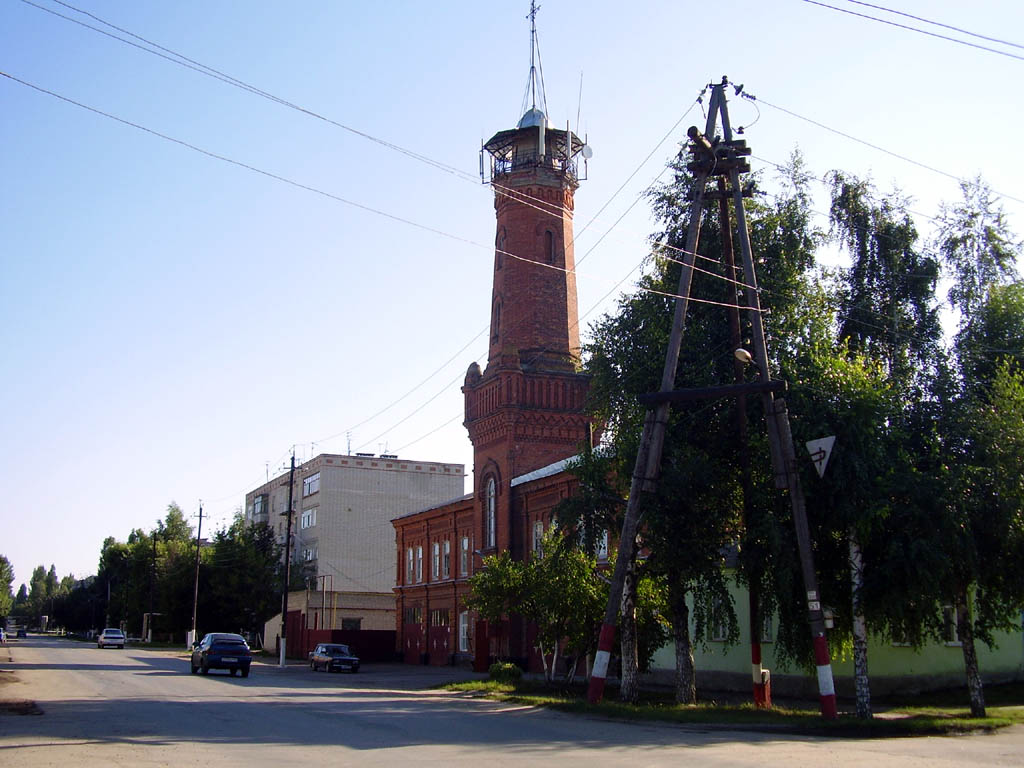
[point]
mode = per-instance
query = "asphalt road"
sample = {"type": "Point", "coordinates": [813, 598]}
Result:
{"type": "Point", "coordinates": [141, 708]}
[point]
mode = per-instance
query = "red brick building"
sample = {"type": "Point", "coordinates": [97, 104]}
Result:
{"type": "Point", "coordinates": [524, 411]}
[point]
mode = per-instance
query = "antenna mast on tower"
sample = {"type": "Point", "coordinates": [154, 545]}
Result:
{"type": "Point", "coordinates": [535, 63]}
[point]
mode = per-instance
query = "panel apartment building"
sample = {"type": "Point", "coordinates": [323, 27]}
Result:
{"type": "Point", "coordinates": [342, 532]}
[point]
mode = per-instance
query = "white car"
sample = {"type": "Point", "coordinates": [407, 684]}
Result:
{"type": "Point", "coordinates": [110, 636]}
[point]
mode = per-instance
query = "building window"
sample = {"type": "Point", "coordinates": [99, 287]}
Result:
{"type": "Point", "coordinates": [355, 624]}
{"type": "Point", "coordinates": [446, 561]}
{"type": "Point", "coordinates": [414, 615]}
{"type": "Point", "coordinates": [309, 517]}
{"type": "Point", "coordinates": [464, 632]}
{"type": "Point", "coordinates": [259, 505]}
{"type": "Point", "coordinates": [435, 563]}
{"type": "Point", "coordinates": [538, 538]}
{"type": "Point", "coordinates": [950, 636]}
{"type": "Point", "coordinates": [409, 574]}
{"type": "Point", "coordinates": [439, 617]}
{"type": "Point", "coordinates": [489, 512]}
{"type": "Point", "coordinates": [549, 246]}
{"type": "Point", "coordinates": [496, 320]}
{"type": "Point", "coordinates": [767, 630]}
{"type": "Point", "coordinates": [311, 485]}
{"type": "Point", "coordinates": [464, 557]}
{"type": "Point", "coordinates": [499, 248]}
{"type": "Point", "coordinates": [602, 546]}
{"type": "Point", "coordinates": [309, 554]}
{"type": "Point", "coordinates": [419, 564]}
{"type": "Point", "coordinates": [718, 630]}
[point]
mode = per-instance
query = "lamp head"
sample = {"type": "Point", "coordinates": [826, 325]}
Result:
{"type": "Point", "coordinates": [743, 356]}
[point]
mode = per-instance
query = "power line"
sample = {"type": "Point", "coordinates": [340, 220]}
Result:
{"type": "Point", "coordinates": [889, 152]}
{"type": "Point", "coordinates": [936, 23]}
{"type": "Point", "coordinates": [919, 31]}
{"type": "Point", "coordinates": [203, 69]}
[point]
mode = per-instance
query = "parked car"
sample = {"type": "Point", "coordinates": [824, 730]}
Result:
{"type": "Point", "coordinates": [220, 650]}
{"type": "Point", "coordinates": [21, 633]}
{"type": "Point", "coordinates": [333, 657]}
{"type": "Point", "coordinates": [110, 636]}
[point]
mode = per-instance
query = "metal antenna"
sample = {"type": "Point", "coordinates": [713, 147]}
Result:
{"type": "Point", "coordinates": [533, 47]}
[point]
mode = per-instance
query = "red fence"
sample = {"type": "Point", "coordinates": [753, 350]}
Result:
{"type": "Point", "coordinates": [368, 644]}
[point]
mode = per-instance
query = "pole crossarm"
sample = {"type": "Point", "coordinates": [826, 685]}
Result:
{"type": "Point", "coordinates": [711, 393]}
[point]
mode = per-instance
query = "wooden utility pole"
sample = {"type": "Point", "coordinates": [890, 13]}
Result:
{"type": "Point", "coordinates": [287, 563]}
{"type": "Point", "coordinates": [652, 439]}
{"type": "Point", "coordinates": [712, 156]}
{"type": "Point", "coordinates": [195, 588]}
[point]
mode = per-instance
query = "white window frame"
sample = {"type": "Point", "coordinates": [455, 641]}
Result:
{"type": "Point", "coordinates": [538, 538]}
{"type": "Point", "coordinates": [309, 517]}
{"type": "Point", "coordinates": [464, 557]}
{"type": "Point", "coordinates": [464, 632]}
{"type": "Point", "coordinates": [409, 573]}
{"type": "Point", "coordinates": [602, 545]}
{"type": "Point", "coordinates": [419, 564]}
{"type": "Point", "coordinates": [311, 485]}
{"type": "Point", "coordinates": [950, 633]}
{"type": "Point", "coordinates": [435, 562]}
{"type": "Point", "coordinates": [446, 559]}
{"type": "Point", "coordinates": [490, 513]}
{"type": "Point", "coordinates": [716, 621]}
{"type": "Point", "coordinates": [309, 554]}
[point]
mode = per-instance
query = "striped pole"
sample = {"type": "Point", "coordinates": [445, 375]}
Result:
{"type": "Point", "coordinates": [826, 686]}
{"type": "Point", "coordinates": [605, 642]}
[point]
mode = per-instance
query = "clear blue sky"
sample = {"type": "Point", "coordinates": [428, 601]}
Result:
{"type": "Point", "coordinates": [171, 323]}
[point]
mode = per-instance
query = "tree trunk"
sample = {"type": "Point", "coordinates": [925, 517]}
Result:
{"type": "Point", "coordinates": [862, 683]}
{"type": "Point", "coordinates": [965, 632]}
{"type": "Point", "coordinates": [629, 682]}
{"type": "Point", "coordinates": [686, 679]}
{"type": "Point", "coordinates": [543, 660]}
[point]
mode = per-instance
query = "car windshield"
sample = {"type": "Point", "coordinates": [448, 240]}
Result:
{"type": "Point", "coordinates": [336, 650]}
{"type": "Point", "coordinates": [111, 631]}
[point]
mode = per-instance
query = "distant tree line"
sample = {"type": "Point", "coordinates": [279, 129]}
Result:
{"type": "Point", "coordinates": [153, 572]}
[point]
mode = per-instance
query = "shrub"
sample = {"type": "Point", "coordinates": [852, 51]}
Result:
{"type": "Point", "coordinates": [505, 672]}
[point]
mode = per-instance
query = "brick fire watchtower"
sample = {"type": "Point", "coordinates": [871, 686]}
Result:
{"type": "Point", "coordinates": [525, 411]}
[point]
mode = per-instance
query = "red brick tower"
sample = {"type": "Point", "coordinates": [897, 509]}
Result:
{"type": "Point", "coordinates": [524, 411]}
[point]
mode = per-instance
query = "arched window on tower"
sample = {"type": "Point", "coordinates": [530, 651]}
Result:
{"type": "Point", "coordinates": [490, 502]}
{"type": "Point", "coordinates": [496, 320]}
{"type": "Point", "coordinates": [499, 248]}
{"type": "Point", "coordinates": [549, 246]}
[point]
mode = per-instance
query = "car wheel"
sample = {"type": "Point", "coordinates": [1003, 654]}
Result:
{"type": "Point", "coordinates": [193, 667]}
{"type": "Point", "coordinates": [205, 668]}
{"type": "Point", "coordinates": [245, 672]}
{"type": "Point", "coordinates": [121, 647]}
{"type": "Point", "coordinates": [233, 671]}
{"type": "Point", "coordinates": [312, 666]}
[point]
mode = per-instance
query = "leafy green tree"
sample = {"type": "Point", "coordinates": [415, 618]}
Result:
{"type": "Point", "coordinates": [6, 593]}
{"type": "Point", "coordinates": [240, 578]}
{"type": "Point", "coordinates": [976, 247]}
{"type": "Point", "coordinates": [558, 591]}
{"type": "Point", "coordinates": [888, 310]}
{"type": "Point", "coordinates": [980, 527]}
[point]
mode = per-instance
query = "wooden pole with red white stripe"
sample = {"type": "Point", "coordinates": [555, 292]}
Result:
{"type": "Point", "coordinates": [652, 439]}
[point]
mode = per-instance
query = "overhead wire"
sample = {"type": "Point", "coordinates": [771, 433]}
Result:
{"type": "Point", "coordinates": [915, 29]}
{"type": "Point", "coordinates": [865, 143]}
{"type": "Point", "coordinates": [936, 23]}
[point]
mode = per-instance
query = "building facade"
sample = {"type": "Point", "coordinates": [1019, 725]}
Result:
{"type": "Point", "coordinates": [341, 530]}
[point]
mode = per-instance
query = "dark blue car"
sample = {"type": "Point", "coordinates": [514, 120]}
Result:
{"type": "Point", "coordinates": [220, 650]}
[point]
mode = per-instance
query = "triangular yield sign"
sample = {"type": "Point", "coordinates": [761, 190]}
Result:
{"type": "Point", "coordinates": [820, 450]}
